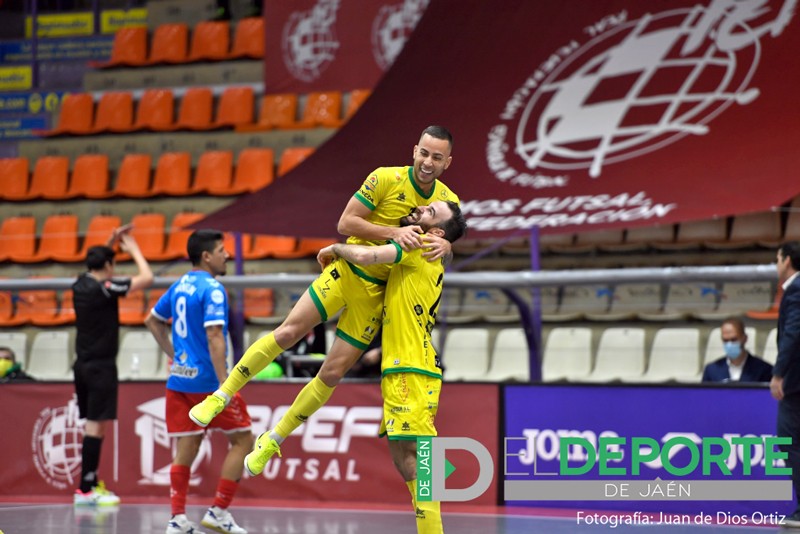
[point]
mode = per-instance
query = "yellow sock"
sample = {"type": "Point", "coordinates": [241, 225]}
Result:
{"type": "Point", "coordinates": [255, 359]}
{"type": "Point", "coordinates": [310, 399]}
{"type": "Point", "coordinates": [412, 488]}
{"type": "Point", "coordinates": [429, 513]}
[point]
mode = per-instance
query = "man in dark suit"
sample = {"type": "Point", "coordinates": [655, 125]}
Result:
{"type": "Point", "coordinates": [737, 365]}
{"type": "Point", "coordinates": [785, 383]}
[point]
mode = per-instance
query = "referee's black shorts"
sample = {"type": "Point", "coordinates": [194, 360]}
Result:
{"type": "Point", "coordinates": [96, 386]}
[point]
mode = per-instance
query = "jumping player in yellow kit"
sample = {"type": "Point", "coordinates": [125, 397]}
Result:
{"type": "Point", "coordinates": [411, 372]}
{"type": "Point", "coordinates": [372, 214]}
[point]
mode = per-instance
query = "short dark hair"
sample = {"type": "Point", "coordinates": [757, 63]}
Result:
{"type": "Point", "coordinates": [202, 241]}
{"type": "Point", "coordinates": [10, 351]}
{"type": "Point", "coordinates": [439, 132]}
{"type": "Point", "coordinates": [98, 256]}
{"type": "Point", "coordinates": [736, 322]}
{"type": "Point", "coordinates": [791, 250]}
{"type": "Point", "coordinates": [456, 226]}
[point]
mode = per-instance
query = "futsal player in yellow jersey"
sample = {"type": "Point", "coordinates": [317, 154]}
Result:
{"type": "Point", "coordinates": [411, 374]}
{"type": "Point", "coordinates": [373, 214]}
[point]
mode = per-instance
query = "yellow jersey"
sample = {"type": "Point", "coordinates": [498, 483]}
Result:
{"type": "Point", "coordinates": [391, 193]}
{"type": "Point", "coordinates": [411, 303]}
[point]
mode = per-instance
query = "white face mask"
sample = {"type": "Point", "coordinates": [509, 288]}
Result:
{"type": "Point", "coordinates": [732, 349]}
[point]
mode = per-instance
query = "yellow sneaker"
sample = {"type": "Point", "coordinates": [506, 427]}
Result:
{"type": "Point", "coordinates": [203, 413]}
{"type": "Point", "coordinates": [263, 450]}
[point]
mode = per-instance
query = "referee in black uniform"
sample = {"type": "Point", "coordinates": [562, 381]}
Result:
{"type": "Point", "coordinates": [95, 295]}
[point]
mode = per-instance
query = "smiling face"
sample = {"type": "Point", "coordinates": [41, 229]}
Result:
{"type": "Point", "coordinates": [431, 158]}
{"type": "Point", "coordinates": [428, 216]}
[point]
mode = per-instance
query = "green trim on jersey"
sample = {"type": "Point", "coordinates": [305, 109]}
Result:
{"type": "Point", "coordinates": [364, 201]}
{"type": "Point", "coordinates": [416, 187]}
{"type": "Point", "coordinates": [407, 437]}
{"type": "Point", "coordinates": [361, 274]}
{"type": "Point", "coordinates": [318, 303]}
{"type": "Point", "coordinates": [352, 341]}
{"type": "Point", "coordinates": [417, 370]}
{"type": "Point", "coordinates": [399, 252]}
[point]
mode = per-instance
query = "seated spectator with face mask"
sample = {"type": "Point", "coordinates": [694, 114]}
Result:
{"type": "Point", "coordinates": [10, 370]}
{"type": "Point", "coordinates": [737, 365]}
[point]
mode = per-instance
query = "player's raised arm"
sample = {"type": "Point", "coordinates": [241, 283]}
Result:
{"type": "Point", "coordinates": [359, 254]}
{"type": "Point", "coordinates": [353, 222]}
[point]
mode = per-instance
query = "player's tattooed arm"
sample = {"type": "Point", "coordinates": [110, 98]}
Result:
{"type": "Point", "coordinates": [358, 254]}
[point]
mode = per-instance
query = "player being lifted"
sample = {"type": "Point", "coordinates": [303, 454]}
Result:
{"type": "Point", "coordinates": [411, 374]}
{"type": "Point", "coordinates": [372, 214]}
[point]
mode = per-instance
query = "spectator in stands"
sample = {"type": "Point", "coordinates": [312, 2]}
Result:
{"type": "Point", "coordinates": [10, 369]}
{"type": "Point", "coordinates": [197, 304]}
{"type": "Point", "coordinates": [737, 365]}
{"type": "Point", "coordinates": [95, 294]}
{"type": "Point", "coordinates": [785, 384]}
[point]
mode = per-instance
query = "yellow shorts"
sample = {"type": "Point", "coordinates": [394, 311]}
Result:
{"type": "Point", "coordinates": [340, 287]}
{"type": "Point", "coordinates": [410, 403]}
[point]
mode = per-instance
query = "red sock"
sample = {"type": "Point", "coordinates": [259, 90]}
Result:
{"type": "Point", "coordinates": [179, 486]}
{"type": "Point", "coordinates": [226, 489]}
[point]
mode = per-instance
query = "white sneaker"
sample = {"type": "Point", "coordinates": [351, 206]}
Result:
{"type": "Point", "coordinates": [97, 496]}
{"type": "Point", "coordinates": [179, 524]}
{"type": "Point", "coordinates": [221, 521]}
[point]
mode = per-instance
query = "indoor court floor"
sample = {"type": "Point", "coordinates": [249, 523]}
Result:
{"type": "Point", "coordinates": [44, 518]}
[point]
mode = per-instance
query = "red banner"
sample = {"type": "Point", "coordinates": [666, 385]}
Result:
{"type": "Point", "coordinates": [334, 456]}
{"type": "Point", "coordinates": [334, 45]}
{"type": "Point", "coordinates": [572, 115]}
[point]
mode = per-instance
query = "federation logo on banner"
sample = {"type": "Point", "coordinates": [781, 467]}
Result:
{"type": "Point", "coordinates": [634, 87]}
{"type": "Point", "coordinates": [309, 40]}
{"type": "Point", "coordinates": [391, 28]}
{"type": "Point", "coordinates": [56, 444]}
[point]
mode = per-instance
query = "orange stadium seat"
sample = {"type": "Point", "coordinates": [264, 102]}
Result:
{"type": "Point", "coordinates": [37, 306]}
{"type": "Point", "coordinates": [210, 41]}
{"type": "Point", "coordinates": [277, 111]}
{"type": "Point", "coordinates": [178, 237]}
{"type": "Point", "coordinates": [18, 239]}
{"type": "Point", "coordinates": [235, 107]}
{"type": "Point", "coordinates": [59, 240]}
{"type": "Point", "coordinates": [214, 173]}
{"type": "Point", "coordinates": [114, 113]}
{"type": "Point", "coordinates": [230, 244]}
{"type": "Point", "coordinates": [169, 44]}
{"type": "Point", "coordinates": [357, 98]}
{"type": "Point", "coordinates": [149, 232]}
{"type": "Point", "coordinates": [248, 39]}
{"type": "Point", "coordinates": [156, 111]}
{"type": "Point", "coordinates": [265, 246]}
{"type": "Point", "coordinates": [173, 174]}
{"type": "Point", "coordinates": [50, 178]}
{"type": "Point", "coordinates": [291, 157]}
{"type": "Point", "coordinates": [255, 169]}
{"type": "Point", "coordinates": [132, 309]}
{"type": "Point", "coordinates": [65, 313]}
{"type": "Point", "coordinates": [196, 110]}
{"type": "Point", "coordinates": [89, 177]}
{"type": "Point", "coordinates": [133, 177]}
{"type": "Point", "coordinates": [129, 49]}
{"type": "Point", "coordinates": [258, 302]}
{"type": "Point", "coordinates": [14, 178]}
{"type": "Point", "coordinates": [322, 109]}
{"type": "Point", "coordinates": [75, 116]}
{"type": "Point", "coordinates": [97, 233]}
{"type": "Point", "coordinates": [8, 316]}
